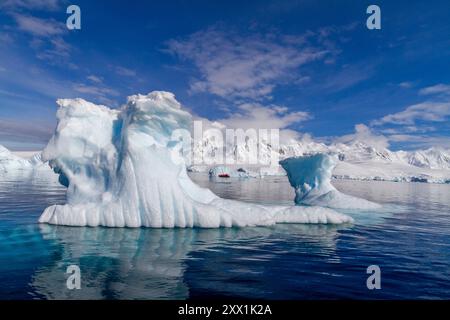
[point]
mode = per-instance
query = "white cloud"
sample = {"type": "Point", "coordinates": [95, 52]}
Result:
{"type": "Point", "coordinates": [408, 129]}
{"type": "Point", "coordinates": [425, 111]}
{"type": "Point", "coordinates": [49, 5]}
{"type": "Point", "coordinates": [54, 51]}
{"type": "Point", "coordinates": [25, 131]}
{"type": "Point", "coordinates": [436, 89]}
{"type": "Point", "coordinates": [60, 46]}
{"type": "Point", "coordinates": [419, 141]}
{"type": "Point", "coordinates": [257, 116]}
{"type": "Point", "coordinates": [47, 34]}
{"type": "Point", "coordinates": [47, 38]}
{"type": "Point", "coordinates": [235, 66]}
{"type": "Point", "coordinates": [37, 81]}
{"type": "Point", "coordinates": [429, 117]}
{"type": "Point", "coordinates": [94, 90]}
{"type": "Point", "coordinates": [97, 93]}
{"type": "Point", "coordinates": [39, 27]}
{"type": "Point", "coordinates": [122, 71]}
{"type": "Point", "coordinates": [94, 78]}
{"type": "Point", "coordinates": [406, 84]}
{"type": "Point", "coordinates": [364, 134]}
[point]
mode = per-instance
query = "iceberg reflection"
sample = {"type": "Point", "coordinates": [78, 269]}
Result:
{"type": "Point", "coordinates": [127, 263]}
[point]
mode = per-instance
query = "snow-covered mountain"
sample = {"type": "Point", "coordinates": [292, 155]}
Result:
{"type": "Point", "coordinates": [358, 160]}
{"type": "Point", "coordinates": [433, 158]}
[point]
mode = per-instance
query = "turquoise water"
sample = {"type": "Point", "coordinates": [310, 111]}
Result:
{"type": "Point", "coordinates": [409, 240]}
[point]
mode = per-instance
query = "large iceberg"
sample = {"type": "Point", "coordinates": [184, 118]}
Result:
{"type": "Point", "coordinates": [311, 178]}
{"type": "Point", "coordinates": [121, 169]}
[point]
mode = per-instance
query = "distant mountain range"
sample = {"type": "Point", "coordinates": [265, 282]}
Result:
{"type": "Point", "coordinates": [358, 160]}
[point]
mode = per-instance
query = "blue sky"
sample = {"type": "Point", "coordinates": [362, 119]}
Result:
{"type": "Point", "coordinates": [311, 67]}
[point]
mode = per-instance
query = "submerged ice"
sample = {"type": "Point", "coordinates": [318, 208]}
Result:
{"type": "Point", "coordinates": [120, 171]}
{"type": "Point", "coordinates": [311, 178]}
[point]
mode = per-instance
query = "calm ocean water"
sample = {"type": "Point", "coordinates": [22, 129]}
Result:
{"type": "Point", "coordinates": [409, 240]}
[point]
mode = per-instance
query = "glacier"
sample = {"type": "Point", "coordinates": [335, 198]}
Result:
{"type": "Point", "coordinates": [311, 178]}
{"type": "Point", "coordinates": [122, 168]}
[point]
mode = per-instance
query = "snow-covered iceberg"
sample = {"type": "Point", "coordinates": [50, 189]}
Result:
{"type": "Point", "coordinates": [9, 162]}
{"type": "Point", "coordinates": [123, 169]}
{"type": "Point", "coordinates": [311, 178]}
{"type": "Point", "coordinates": [24, 164]}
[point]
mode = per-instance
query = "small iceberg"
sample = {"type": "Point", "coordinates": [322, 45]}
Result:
{"type": "Point", "coordinates": [16, 165]}
{"type": "Point", "coordinates": [11, 163]}
{"type": "Point", "coordinates": [310, 176]}
{"type": "Point", "coordinates": [123, 169]}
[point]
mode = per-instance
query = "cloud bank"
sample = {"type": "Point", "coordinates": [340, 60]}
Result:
{"type": "Point", "coordinates": [236, 66]}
